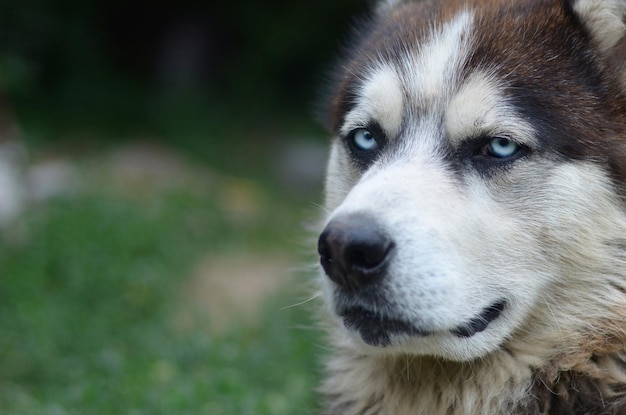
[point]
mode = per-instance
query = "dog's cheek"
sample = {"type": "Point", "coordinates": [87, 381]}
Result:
{"type": "Point", "coordinates": [578, 213]}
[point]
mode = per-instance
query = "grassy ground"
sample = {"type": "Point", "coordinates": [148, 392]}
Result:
{"type": "Point", "coordinates": [100, 310]}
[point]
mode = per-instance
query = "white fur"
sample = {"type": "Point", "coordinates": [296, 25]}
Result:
{"type": "Point", "coordinates": [432, 71]}
{"type": "Point", "coordinates": [438, 282]}
{"type": "Point", "coordinates": [488, 114]}
{"type": "Point", "coordinates": [381, 99]}
{"type": "Point", "coordinates": [547, 326]}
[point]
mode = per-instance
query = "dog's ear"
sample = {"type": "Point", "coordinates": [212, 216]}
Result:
{"type": "Point", "coordinates": [604, 19]}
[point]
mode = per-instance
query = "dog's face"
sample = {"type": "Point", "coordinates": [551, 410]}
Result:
{"type": "Point", "coordinates": [473, 186]}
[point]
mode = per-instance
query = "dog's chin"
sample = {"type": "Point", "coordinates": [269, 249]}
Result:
{"type": "Point", "coordinates": [470, 339]}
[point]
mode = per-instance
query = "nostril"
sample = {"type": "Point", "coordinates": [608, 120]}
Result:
{"type": "Point", "coordinates": [324, 248]}
{"type": "Point", "coordinates": [354, 250]}
{"type": "Point", "coordinates": [367, 254]}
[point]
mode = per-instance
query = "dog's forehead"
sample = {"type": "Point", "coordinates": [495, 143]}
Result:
{"type": "Point", "coordinates": [422, 52]}
{"type": "Point", "coordinates": [410, 58]}
{"type": "Point", "coordinates": [445, 63]}
{"type": "Point", "coordinates": [415, 78]}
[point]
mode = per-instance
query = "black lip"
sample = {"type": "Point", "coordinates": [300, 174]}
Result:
{"type": "Point", "coordinates": [480, 323]}
{"type": "Point", "coordinates": [376, 329]}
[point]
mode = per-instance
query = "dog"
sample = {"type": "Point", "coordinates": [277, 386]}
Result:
{"type": "Point", "coordinates": [474, 243]}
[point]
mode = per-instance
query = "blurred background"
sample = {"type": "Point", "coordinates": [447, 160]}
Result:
{"type": "Point", "coordinates": [159, 162]}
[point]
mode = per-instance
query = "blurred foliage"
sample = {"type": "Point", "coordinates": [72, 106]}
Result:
{"type": "Point", "coordinates": [89, 285]}
{"type": "Point", "coordinates": [89, 294]}
{"type": "Point", "coordinates": [115, 60]}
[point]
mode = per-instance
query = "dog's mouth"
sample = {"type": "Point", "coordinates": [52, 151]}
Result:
{"type": "Point", "coordinates": [480, 323]}
{"type": "Point", "coordinates": [377, 330]}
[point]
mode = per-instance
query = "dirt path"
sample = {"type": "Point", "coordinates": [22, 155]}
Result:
{"type": "Point", "coordinates": [230, 288]}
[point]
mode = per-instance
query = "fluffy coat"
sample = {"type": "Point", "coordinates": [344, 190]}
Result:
{"type": "Point", "coordinates": [539, 231]}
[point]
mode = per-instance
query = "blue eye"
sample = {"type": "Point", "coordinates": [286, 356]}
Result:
{"type": "Point", "coordinates": [489, 154]}
{"type": "Point", "coordinates": [366, 144]}
{"type": "Point", "coordinates": [363, 140]}
{"type": "Point", "coordinates": [502, 148]}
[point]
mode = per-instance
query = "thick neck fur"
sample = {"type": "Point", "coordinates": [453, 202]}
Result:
{"type": "Point", "coordinates": [507, 382]}
{"type": "Point", "coordinates": [416, 385]}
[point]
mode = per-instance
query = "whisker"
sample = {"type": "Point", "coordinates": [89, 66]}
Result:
{"type": "Point", "coordinates": [308, 300]}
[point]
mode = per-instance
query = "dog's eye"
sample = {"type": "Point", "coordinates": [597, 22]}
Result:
{"type": "Point", "coordinates": [365, 144]}
{"type": "Point", "coordinates": [363, 140]}
{"type": "Point", "coordinates": [490, 152]}
{"type": "Point", "coordinates": [502, 148]}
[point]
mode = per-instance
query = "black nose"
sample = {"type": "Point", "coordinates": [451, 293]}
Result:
{"type": "Point", "coordinates": [354, 250]}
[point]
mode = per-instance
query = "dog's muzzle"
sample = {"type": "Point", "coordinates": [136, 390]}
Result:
{"type": "Point", "coordinates": [354, 251]}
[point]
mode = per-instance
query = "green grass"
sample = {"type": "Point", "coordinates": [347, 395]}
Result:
{"type": "Point", "coordinates": [88, 288]}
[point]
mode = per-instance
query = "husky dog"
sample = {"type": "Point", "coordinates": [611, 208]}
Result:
{"type": "Point", "coordinates": [474, 251]}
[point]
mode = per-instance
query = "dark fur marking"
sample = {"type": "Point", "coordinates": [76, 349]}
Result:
{"type": "Point", "coordinates": [577, 107]}
{"type": "Point", "coordinates": [575, 394]}
{"type": "Point", "coordinates": [577, 111]}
